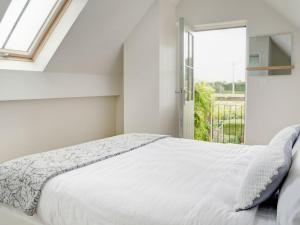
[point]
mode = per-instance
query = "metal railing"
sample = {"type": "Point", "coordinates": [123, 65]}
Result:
{"type": "Point", "coordinates": [227, 122]}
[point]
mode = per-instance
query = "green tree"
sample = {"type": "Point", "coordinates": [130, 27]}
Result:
{"type": "Point", "coordinates": [203, 110]}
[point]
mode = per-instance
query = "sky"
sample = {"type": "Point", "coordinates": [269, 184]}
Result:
{"type": "Point", "coordinates": [220, 55]}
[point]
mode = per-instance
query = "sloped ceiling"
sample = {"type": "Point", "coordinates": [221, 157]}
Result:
{"type": "Point", "coordinates": [94, 43]}
{"type": "Point", "coordinates": [288, 8]}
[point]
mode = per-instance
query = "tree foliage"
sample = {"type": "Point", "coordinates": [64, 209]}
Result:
{"type": "Point", "coordinates": [226, 87]}
{"type": "Point", "coordinates": [203, 110]}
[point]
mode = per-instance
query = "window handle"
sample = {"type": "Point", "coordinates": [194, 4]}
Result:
{"type": "Point", "coordinates": [181, 91]}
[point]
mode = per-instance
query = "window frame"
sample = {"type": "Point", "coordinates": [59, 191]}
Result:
{"type": "Point", "coordinates": [41, 37]}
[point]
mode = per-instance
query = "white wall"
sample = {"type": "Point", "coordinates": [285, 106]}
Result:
{"type": "Point", "coordinates": [40, 111]}
{"type": "Point", "coordinates": [150, 72]}
{"type": "Point", "coordinates": [288, 8]}
{"type": "Point", "coordinates": [141, 80]}
{"type": "Point", "coordinates": [167, 68]}
{"type": "Point", "coordinates": [16, 85]}
{"type": "Point", "coordinates": [272, 102]}
{"type": "Point", "coordinates": [120, 110]}
{"type": "Point", "coordinates": [38, 125]}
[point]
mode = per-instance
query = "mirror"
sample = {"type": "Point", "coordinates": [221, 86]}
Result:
{"type": "Point", "coordinates": [270, 55]}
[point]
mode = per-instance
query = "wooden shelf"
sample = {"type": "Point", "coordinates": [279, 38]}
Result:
{"type": "Point", "coordinates": [271, 68]}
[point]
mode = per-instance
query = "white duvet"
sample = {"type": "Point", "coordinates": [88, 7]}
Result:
{"type": "Point", "coordinates": [169, 182]}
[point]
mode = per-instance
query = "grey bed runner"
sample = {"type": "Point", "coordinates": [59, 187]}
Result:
{"type": "Point", "coordinates": [22, 179]}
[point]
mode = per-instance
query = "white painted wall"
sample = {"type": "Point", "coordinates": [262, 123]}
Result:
{"type": "Point", "coordinates": [272, 101]}
{"type": "Point", "coordinates": [288, 8]}
{"type": "Point", "coordinates": [150, 72]}
{"type": "Point", "coordinates": [141, 75]}
{"type": "Point", "coordinates": [168, 67]}
{"type": "Point", "coordinates": [15, 85]}
{"type": "Point", "coordinates": [40, 111]}
{"type": "Point", "coordinates": [120, 110]}
{"type": "Point", "coordinates": [39, 125]}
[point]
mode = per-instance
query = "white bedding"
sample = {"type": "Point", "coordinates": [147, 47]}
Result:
{"type": "Point", "coordinates": [14, 217]}
{"type": "Point", "coordinates": [169, 182]}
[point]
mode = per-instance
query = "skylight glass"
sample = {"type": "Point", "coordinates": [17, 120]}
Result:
{"type": "Point", "coordinates": [10, 18]}
{"type": "Point", "coordinates": [3, 8]}
{"type": "Point", "coordinates": [25, 23]}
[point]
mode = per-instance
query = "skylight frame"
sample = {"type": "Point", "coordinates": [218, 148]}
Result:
{"type": "Point", "coordinates": [41, 37]}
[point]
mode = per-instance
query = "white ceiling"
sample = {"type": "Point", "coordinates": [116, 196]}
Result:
{"type": "Point", "coordinates": [94, 43]}
{"type": "Point", "coordinates": [290, 9]}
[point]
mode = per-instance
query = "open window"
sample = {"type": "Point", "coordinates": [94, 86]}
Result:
{"type": "Point", "coordinates": [32, 30]}
{"type": "Point", "coordinates": [25, 26]}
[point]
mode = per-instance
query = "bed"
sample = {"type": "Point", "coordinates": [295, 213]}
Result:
{"type": "Point", "coordinates": [165, 181]}
{"type": "Point", "coordinates": [263, 216]}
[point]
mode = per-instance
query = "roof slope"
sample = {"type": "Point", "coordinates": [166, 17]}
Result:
{"type": "Point", "coordinates": [287, 8]}
{"type": "Point", "coordinates": [94, 43]}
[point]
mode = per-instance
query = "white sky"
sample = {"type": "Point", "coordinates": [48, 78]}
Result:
{"type": "Point", "coordinates": [219, 54]}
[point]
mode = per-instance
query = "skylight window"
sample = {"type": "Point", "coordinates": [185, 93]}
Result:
{"type": "Point", "coordinates": [26, 25]}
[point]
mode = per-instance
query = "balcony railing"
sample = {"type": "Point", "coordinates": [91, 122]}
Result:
{"type": "Point", "coordinates": [227, 121]}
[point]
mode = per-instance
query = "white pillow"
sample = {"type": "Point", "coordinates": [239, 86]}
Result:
{"type": "Point", "coordinates": [288, 207]}
{"type": "Point", "coordinates": [267, 170]}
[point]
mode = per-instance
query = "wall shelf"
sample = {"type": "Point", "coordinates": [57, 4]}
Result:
{"type": "Point", "coordinates": [270, 68]}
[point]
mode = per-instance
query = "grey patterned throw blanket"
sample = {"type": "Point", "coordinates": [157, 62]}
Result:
{"type": "Point", "coordinates": [22, 179]}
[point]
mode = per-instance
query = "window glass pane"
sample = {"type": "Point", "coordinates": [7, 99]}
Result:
{"type": "Point", "coordinates": [4, 7]}
{"type": "Point", "coordinates": [189, 84]}
{"type": "Point", "coordinates": [186, 48]}
{"type": "Point", "coordinates": [30, 24]}
{"type": "Point", "coordinates": [190, 50]}
{"type": "Point", "coordinates": [10, 18]}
